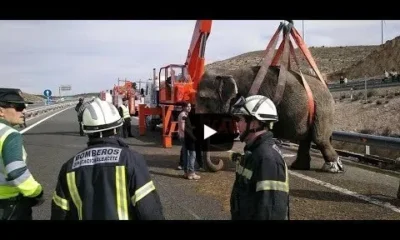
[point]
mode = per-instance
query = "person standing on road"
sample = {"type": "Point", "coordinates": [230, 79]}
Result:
{"type": "Point", "coordinates": [81, 108]}
{"type": "Point", "coordinates": [261, 187]}
{"type": "Point", "coordinates": [77, 107]}
{"type": "Point", "coordinates": [107, 180]}
{"type": "Point", "coordinates": [181, 132]}
{"type": "Point", "coordinates": [126, 116]}
{"type": "Point", "coordinates": [19, 191]}
{"type": "Point", "coordinates": [189, 159]}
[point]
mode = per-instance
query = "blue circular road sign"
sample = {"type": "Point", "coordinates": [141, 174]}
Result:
{"type": "Point", "coordinates": [47, 93]}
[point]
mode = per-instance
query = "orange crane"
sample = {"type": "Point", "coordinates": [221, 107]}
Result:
{"type": "Point", "coordinates": [181, 82]}
{"type": "Point", "coordinates": [125, 91]}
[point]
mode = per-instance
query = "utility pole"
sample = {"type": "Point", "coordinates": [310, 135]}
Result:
{"type": "Point", "coordinates": [382, 31]}
{"type": "Point", "coordinates": [140, 84]}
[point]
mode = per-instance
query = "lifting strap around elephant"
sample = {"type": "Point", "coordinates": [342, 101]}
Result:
{"type": "Point", "coordinates": [283, 50]}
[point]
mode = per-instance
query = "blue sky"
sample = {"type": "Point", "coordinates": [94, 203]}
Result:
{"type": "Point", "coordinates": [92, 55]}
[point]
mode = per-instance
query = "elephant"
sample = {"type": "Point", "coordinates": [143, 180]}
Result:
{"type": "Point", "coordinates": [219, 88]}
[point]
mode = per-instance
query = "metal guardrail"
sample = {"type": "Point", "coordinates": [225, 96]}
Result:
{"type": "Point", "coordinates": [360, 85]}
{"type": "Point", "coordinates": [367, 139]}
{"type": "Point", "coordinates": [40, 110]}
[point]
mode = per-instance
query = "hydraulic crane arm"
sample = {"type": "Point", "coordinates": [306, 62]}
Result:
{"type": "Point", "coordinates": [195, 58]}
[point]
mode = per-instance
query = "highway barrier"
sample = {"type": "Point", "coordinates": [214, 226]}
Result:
{"type": "Point", "coordinates": [360, 84]}
{"type": "Point", "coordinates": [41, 110]}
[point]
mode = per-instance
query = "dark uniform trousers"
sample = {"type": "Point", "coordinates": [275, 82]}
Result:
{"type": "Point", "coordinates": [77, 108]}
{"type": "Point", "coordinates": [14, 209]}
{"type": "Point", "coordinates": [106, 181]}
{"type": "Point", "coordinates": [261, 187]}
{"type": "Point", "coordinates": [18, 208]}
{"type": "Point", "coordinates": [127, 128]}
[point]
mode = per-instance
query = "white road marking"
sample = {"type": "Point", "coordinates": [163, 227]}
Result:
{"type": "Point", "coordinates": [44, 119]}
{"type": "Point", "coordinates": [340, 189]}
{"type": "Point", "coordinates": [347, 192]}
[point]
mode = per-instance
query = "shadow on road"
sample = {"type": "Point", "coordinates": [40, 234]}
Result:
{"type": "Point", "coordinates": [162, 161]}
{"type": "Point", "coordinates": [165, 174]}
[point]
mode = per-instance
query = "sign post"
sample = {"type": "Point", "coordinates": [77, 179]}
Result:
{"type": "Point", "coordinates": [47, 94]}
{"type": "Point", "coordinates": [64, 88]}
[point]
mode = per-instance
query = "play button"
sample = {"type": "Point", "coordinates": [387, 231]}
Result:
{"type": "Point", "coordinates": [208, 132]}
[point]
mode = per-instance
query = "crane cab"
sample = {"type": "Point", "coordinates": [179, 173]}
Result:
{"type": "Point", "coordinates": [175, 84]}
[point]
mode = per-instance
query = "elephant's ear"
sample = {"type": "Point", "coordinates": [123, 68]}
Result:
{"type": "Point", "coordinates": [226, 87]}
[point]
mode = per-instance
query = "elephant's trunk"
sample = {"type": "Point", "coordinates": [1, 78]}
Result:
{"type": "Point", "coordinates": [209, 165]}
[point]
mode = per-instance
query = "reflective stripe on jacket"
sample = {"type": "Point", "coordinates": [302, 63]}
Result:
{"type": "Point", "coordinates": [15, 177]}
{"type": "Point", "coordinates": [106, 181]}
{"type": "Point", "coordinates": [125, 112]}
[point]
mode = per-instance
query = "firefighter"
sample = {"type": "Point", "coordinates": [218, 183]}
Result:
{"type": "Point", "coordinates": [107, 180]}
{"type": "Point", "coordinates": [124, 113]}
{"type": "Point", "coordinates": [19, 191]}
{"type": "Point", "coordinates": [261, 187]}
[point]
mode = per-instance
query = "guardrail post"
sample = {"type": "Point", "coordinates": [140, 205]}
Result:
{"type": "Point", "coordinates": [366, 91]}
{"type": "Point", "coordinates": [351, 93]}
{"type": "Point", "coordinates": [367, 150]}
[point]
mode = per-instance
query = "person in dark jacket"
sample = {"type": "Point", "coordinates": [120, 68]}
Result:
{"type": "Point", "coordinates": [261, 187]}
{"type": "Point", "coordinates": [190, 146]}
{"type": "Point", "coordinates": [107, 180]}
{"type": "Point", "coordinates": [77, 107]}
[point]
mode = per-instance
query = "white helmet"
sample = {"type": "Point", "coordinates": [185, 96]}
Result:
{"type": "Point", "coordinates": [258, 106]}
{"type": "Point", "coordinates": [100, 116]}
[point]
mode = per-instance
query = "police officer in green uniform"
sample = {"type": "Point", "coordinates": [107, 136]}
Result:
{"type": "Point", "coordinates": [19, 191]}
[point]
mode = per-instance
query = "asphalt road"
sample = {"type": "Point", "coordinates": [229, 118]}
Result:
{"type": "Point", "coordinates": [356, 194]}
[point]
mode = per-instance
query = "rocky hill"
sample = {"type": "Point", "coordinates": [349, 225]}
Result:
{"type": "Point", "coordinates": [32, 97]}
{"type": "Point", "coordinates": [329, 59]}
{"type": "Point", "coordinates": [384, 57]}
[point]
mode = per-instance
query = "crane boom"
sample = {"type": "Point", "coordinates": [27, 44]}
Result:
{"type": "Point", "coordinates": [178, 83]}
{"type": "Point", "coordinates": [195, 58]}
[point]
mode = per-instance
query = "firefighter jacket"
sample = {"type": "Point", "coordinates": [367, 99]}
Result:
{"type": "Point", "coordinates": [106, 181]}
{"type": "Point", "coordinates": [15, 177]}
{"type": "Point", "coordinates": [261, 187]}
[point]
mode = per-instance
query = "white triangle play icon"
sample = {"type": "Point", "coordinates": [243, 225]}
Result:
{"type": "Point", "coordinates": [208, 132]}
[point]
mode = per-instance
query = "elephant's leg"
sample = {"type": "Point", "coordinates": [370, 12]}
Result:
{"type": "Point", "coordinates": [332, 164]}
{"type": "Point", "coordinates": [303, 158]}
